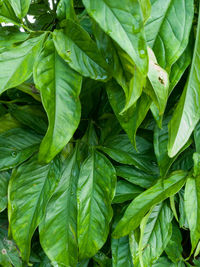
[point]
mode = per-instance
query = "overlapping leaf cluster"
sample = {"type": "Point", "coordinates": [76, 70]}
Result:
{"type": "Point", "coordinates": [99, 133]}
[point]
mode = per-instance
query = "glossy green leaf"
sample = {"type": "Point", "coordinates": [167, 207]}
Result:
{"type": "Point", "coordinates": [13, 60]}
{"type": "Point", "coordinates": [16, 146]}
{"type": "Point", "coordinates": [155, 233]}
{"type": "Point", "coordinates": [58, 229]}
{"type": "Point", "coordinates": [123, 22]}
{"type": "Point", "coordinates": [187, 113]}
{"type": "Point", "coordinates": [121, 255]}
{"type": "Point", "coordinates": [30, 188]}
{"type": "Point", "coordinates": [121, 150]}
{"type": "Point", "coordinates": [136, 176]}
{"type": "Point", "coordinates": [76, 47]}
{"type": "Point", "coordinates": [168, 28]}
{"type": "Point", "coordinates": [20, 7]}
{"type": "Point", "coordinates": [141, 204]}
{"type": "Point", "coordinates": [65, 10]}
{"type": "Point", "coordinates": [192, 202]}
{"type": "Point", "coordinates": [174, 247]}
{"type": "Point", "coordinates": [96, 189]}
{"type": "Point", "coordinates": [159, 83]}
{"type": "Point", "coordinates": [7, 13]}
{"type": "Point", "coordinates": [131, 119]}
{"type": "Point", "coordinates": [126, 191]}
{"type": "Point", "coordinates": [60, 87]}
{"type": "Point", "coordinates": [4, 179]}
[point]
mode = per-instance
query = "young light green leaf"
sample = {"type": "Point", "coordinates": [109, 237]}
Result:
{"type": "Point", "coordinates": [30, 188]}
{"type": "Point", "coordinates": [192, 202]}
{"type": "Point", "coordinates": [16, 63]}
{"type": "Point", "coordinates": [126, 191]}
{"type": "Point", "coordinates": [58, 229]}
{"type": "Point", "coordinates": [131, 119]}
{"type": "Point", "coordinates": [141, 204]}
{"type": "Point", "coordinates": [60, 87]}
{"type": "Point", "coordinates": [20, 7]}
{"type": "Point", "coordinates": [96, 189]}
{"type": "Point", "coordinates": [167, 30]}
{"type": "Point", "coordinates": [16, 146]}
{"type": "Point", "coordinates": [4, 179]}
{"type": "Point", "coordinates": [187, 112]}
{"type": "Point", "coordinates": [123, 22]}
{"type": "Point", "coordinates": [156, 232]}
{"type": "Point", "coordinates": [76, 47]}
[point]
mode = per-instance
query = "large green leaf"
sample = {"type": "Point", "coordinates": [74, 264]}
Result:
{"type": "Point", "coordinates": [30, 188]}
{"type": "Point", "coordinates": [7, 13]}
{"type": "Point", "coordinates": [121, 150]}
{"type": "Point", "coordinates": [168, 28]}
{"type": "Point", "coordinates": [156, 231]}
{"type": "Point", "coordinates": [123, 22]}
{"type": "Point", "coordinates": [20, 7]}
{"type": "Point", "coordinates": [58, 229]}
{"type": "Point", "coordinates": [76, 47]}
{"type": "Point", "coordinates": [4, 179]}
{"type": "Point", "coordinates": [16, 63]}
{"type": "Point", "coordinates": [126, 191]}
{"type": "Point", "coordinates": [96, 189]}
{"type": "Point", "coordinates": [131, 119]}
{"type": "Point", "coordinates": [60, 87]}
{"type": "Point", "coordinates": [192, 202]}
{"type": "Point", "coordinates": [141, 204]}
{"type": "Point", "coordinates": [16, 146]}
{"type": "Point", "coordinates": [187, 113]}
{"type": "Point", "coordinates": [136, 176]}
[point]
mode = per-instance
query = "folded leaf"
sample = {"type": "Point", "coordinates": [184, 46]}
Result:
{"type": "Point", "coordinates": [7, 13]}
{"type": "Point", "coordinates": [187, 112]}
{"type": "Point", "coordinates": [96, 189]}
{"type": "Point", "coordinates": [141, 204]}
{"type": "Point", "coordinates": [16, 63]}
{"type": "Point", "coordinates": [168, 29]}
{"type": "Point", "coordinates": [76, 47]}
{"type": "Point", "coordinates": [20, 7]}
{"type": "Point", "coordinates": [58, 229]}
{"type": "Point", "coordinates": [30, 188]}
{"type": "Point", "coordinates": [16, 146]}
{"type": "Point", "coordinates": [60, 87]}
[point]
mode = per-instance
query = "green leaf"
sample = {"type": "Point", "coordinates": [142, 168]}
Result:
{"type": "Point", "coordinates": [65, 10]}
{"type": "Point", "coordinates": [174, 247]}
{"type": "Point", "coordinates": [102, 260]}
{"type": "Point", "coordinates": [9, 254]}
{"type": "Point", "coordinates": [146, 9]}
{"type": "Point", "coordinates": [126, 191]}
{"type": "Point", "coordinates": [96, 189]}
{"type": "Point", "coordinates": [20, 7]}
{"type": "Point", "coordinates": [155, 233]}
{"type": "Point", "coordinates": [123, 22]}
{"type": "Point", "coordinates": [76, 47]}
{"type": "Point", "coordinates": [187, 113]}
{"type": "Point", "coordinates": [4, 179]}
{"type": "Point", "coordinates": [141, 204]}
{"type": "Point", "coordinates": [121, 150]}
{"type": "Point", "coordinates": [16, 63]}
{"type": "Point", "coordinates": [121, 255]}
{"type": "Point", "coordinates": [131, 119]}
{"type": "Point", "coordinates": [30, 188]}
{"type": "Point", "coordinates": [7, 122]}
{"type": "Point", "coordinates": [158, 85]}
{"type": "Point", "coordinates": [58, 229]}
{"type": "Point", "coordinates": [192, 202]}
{"type": "Point", "coordinates": [197, 137]}
{"type": "Point", "coordinates": [168, 28]}
{"type": "Point", "coordinates": [60, 87]}
{"type": "Point", "coordinates": [16, 146]}
{"type": "Point", "coordinates": [136, 176]}
{"type": "Point", "coordinates": [7, 13]}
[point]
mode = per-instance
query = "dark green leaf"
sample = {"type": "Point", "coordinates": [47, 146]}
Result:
{"type": "Point", "coordinates": [4, 179]}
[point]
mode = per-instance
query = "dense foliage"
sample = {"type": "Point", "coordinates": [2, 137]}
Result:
{"type": "Point", "coordinates": [99, 133]}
